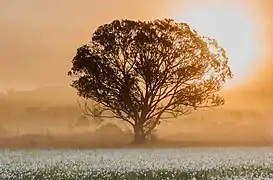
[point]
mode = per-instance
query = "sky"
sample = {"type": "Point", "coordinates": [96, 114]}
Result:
{"type": "Point", "coordinates": [39, 38]}
{"type": "Point", "coordinates": [234, 26]}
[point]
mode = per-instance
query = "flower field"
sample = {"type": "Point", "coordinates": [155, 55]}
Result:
{"type": "Point", "coordinates": [187, 163]}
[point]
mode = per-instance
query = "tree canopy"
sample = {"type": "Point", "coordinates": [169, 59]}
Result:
{"type": "Point", "coordinates": [143, 72]}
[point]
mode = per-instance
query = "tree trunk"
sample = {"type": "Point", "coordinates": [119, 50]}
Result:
{"type": "Point", "coordinates": [139, 137]}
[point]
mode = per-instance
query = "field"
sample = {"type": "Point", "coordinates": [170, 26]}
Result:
{"type": "Point", "coordinates": [187, 163]}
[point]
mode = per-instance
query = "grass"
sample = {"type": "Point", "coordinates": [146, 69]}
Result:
{"type": "Point", "coordinates": [137, 164]}
{"type": "Point", "coordinates": [211, 174]}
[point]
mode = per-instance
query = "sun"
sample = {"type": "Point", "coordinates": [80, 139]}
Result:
{"type": "Point", "coordinates": [233, 27]}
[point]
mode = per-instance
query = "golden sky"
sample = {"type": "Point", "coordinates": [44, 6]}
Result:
{"type": "Point", "coordinates": [40, 37]}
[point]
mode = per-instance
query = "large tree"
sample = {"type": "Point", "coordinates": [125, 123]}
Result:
{"type": "Point", "coordinates": [143, 72]}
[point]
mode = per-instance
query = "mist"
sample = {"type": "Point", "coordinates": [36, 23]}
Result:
{"type": "Point", "coordinates": [39, 39]}
{"type": "Point", "coordinates": [38, 108]}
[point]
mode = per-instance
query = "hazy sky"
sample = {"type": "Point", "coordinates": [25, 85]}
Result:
{"type": "Point", "coordinates": [40, 37]}
{"type": "Point", "coordinates": [234, 25]}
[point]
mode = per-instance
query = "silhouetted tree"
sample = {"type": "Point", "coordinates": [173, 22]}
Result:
{"type": "Point", "coordinates": [143, 72]}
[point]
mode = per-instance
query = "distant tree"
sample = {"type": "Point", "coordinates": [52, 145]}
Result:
{"type": "Point", "coordinates": [2, 96]}
{"type": "Point", "coordinates": [3, 131]}
{"type": "Point", "coordinates": [109, 129]}
{"type": "Point", "coordinates": [144, 72]}
{"type": "Point", "coordinates": [82, 121]}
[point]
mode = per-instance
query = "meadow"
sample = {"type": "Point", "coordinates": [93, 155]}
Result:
{"type": "Point", "coordinates": [181, 163]}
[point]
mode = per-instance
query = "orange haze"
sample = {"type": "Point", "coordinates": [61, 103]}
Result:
{"type": "Point", "coordinates": [38, 40]}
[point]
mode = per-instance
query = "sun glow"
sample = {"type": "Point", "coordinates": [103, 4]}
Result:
{"type": "Point", "coordinates": [233, 27]}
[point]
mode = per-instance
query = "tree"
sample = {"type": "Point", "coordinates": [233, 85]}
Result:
{"type": "Point", "coordinates": [82, 121]}
{"type": "Point", "coordinates": [143, 72]}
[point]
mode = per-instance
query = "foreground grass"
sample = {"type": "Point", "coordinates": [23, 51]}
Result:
{"type": "Point", "coordinates": [137, 164]}
{"type": "Point", "coordinates": [57, 173]}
